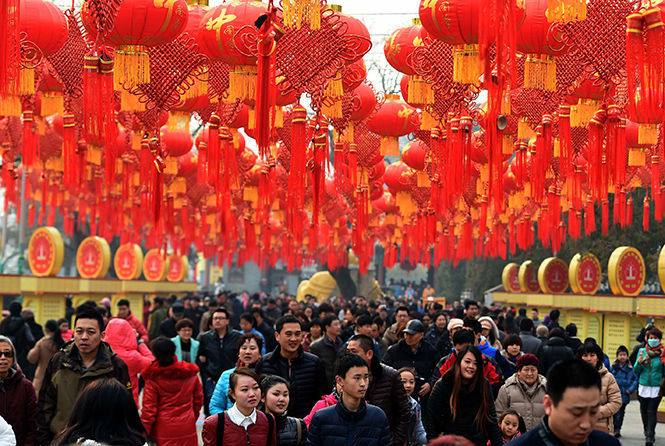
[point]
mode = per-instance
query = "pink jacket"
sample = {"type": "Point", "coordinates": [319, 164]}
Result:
{"type": "Point", "coordinates": [325, 401]}
{"type": "Point", "coordinates": [137, 325]}
{"type": "Point", "coordinates": [121, 338]}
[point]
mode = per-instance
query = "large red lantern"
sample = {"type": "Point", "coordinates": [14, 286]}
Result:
{"type": "Point", "coordinates": [400, 44]}
{"type": "Point", "coordinates": [414, 154]}
{"type": "Point", "coordinates": [395, 118]}
{"type": "Point", "coordinates": [177, 143]}
{"type": "Point", "coordinates": [453, 21]}
{"type": "Point", "coordinates": [139, 24]}
{"type": "Point", "coordinates": [44, 24]}
{"type": "Point", "coordinates": [364, 102]}
{"type": "Point", "coordinates": [398, 176]}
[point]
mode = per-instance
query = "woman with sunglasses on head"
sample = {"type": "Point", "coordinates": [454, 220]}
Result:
{"type": "Point", "coordinates": [18, 402]}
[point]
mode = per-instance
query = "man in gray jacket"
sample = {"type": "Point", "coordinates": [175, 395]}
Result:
{"type": "Point", "coordinates": [530, 343]}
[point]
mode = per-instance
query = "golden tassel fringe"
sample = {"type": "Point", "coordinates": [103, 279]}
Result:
{"type": "Point", "coordinates": [524, 131]}
{"type": "Point", "coordinates": [420, 91]}
{"type": "Point", "coordinates": [302, 12]}
{"type": "Point", "coordinates": [347, 135]}
{"type": "Point", "coordinates": [647, 134]}
{"type": "Point", "coordinates": [332, 110]}
{"type": "Point", "coordinates": [52, 103]}
{"type": "Point", "coordinates": [251, 120]}
{"type": "Point", "coordinates": [405, 203]}
{"type": "Point", "coordinates": [10, 105]}
{"type": "Point", "coordinates": [26, 82]}
{"type": "Point", "coordinates": [562, 11]}
{"type": "Point", "coordinates": [132, 65]}
{"type": "Point", "coordinates": [178, 121]}
{"type": "Point", "coordinates": [422, 179]}
{"type": "Point", "coordinates": [427, 121]}
{"type": "Point", "coordinates": [636, 158]}
{"type": "Point", "coordinates": [279, 117]}
{"type": "Point", "coordinates": [130, 102]}
{"type": "Point", "coordinates": [466, 64]}
{"type": "Point", "coordinates": [540, 72]}
{"type": "Point", "coordinates": [242, 82]}
{"type": "Point", "coordinates": [335, 88]}
{"type": "Point", "coordinates": [507, 144]}
{"type": "Point", "coordinates": [389, 146]}
{"type": "Point", "coordinates": [581, 114]}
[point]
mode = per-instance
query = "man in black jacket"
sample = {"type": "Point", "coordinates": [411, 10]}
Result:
{"type": "Point", "coordinates": [304, 371]}
{"type": "Point", "coordinates": [386, 390]}
{"type": "Point", "coordinates": [328, 347]}
{"type": "Point", "coordinates": [555, 349]}
{"type": "Point", "coordinates": [218, 351]}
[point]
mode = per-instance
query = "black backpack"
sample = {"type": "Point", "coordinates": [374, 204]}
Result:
{"type": "Point", "coordinates": [221, 421]}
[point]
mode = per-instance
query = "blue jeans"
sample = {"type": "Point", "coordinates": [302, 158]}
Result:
{"type": "Point", "coordinates": [208, 389]}
{"type": "Point", "coordinates": [618, 418]}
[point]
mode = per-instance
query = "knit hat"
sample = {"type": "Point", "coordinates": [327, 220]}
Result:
{"type": "Point", "coordinates": [455, 323]}
{"type": "Point", "coordinates": [526, 360]}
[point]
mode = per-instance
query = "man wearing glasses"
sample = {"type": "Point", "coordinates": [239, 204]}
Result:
{"type": "Point", "coordinates": [218, 352]}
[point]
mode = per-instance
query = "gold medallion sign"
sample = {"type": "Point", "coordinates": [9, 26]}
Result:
{"type": "Point", "coordinates": [128, 261]}
{"type": "Point", "coordinates": [46, 252]}
{"type": "Point", "coordinates": [155, 266]}
{"type": "Point", "coordinates": [528, 276]}
{"type": "Point", "coordinates": [626, 271]}
{"type": "Point", "coordinates": [661, 268]}
{"type": "Point", "coordinates": [585, 274]}
{"type": "Point", "coordinates": [553, 276]}
{"type": "Point", "coordinates": [510, 278]}
{"type": "Point", "coordinates": [93, 258]}
{"type": "Point", "coordinates": [178, 268]}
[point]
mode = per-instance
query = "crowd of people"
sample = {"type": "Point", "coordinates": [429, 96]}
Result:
{"type": "Point", "coordinates": [274, 371]}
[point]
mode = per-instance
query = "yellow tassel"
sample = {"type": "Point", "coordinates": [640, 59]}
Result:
{"type": "Point", "coordinates": [335, 88]}
{"type": "Point", "coordinates": [332, 109]}
{"type": "Point", "coordinates": [523, 130]}
{"type": "Point", "coordinates": [242, 82]}
{"type": "Point", "coordinates": [540, 72]}
{"type": "Point", "coordinates": [26, 82]}
{"type": "Point", "coordinates": [389, 146]}
{"type": "Point", "coordinates": [132, 65]}
{"type": "Point", "coordinates": [562, 11]}
{"type": "Point", "coordinates": [507, 145]}
{"type": "Point", "coordinates": [348, 135]}
{"type": "Point", "coordinates": [130, 102]}
{"type": "Point", "coordinates": [581, 114]}
{"type": "Point", "coordinates": [10, 105]}
{"type": "Point", "coordinates": [428, 121]}
{"type": "Point", "coordinates": [420, 91]}
{"type": "Point", "coordinates": [300, 12]}
{"type": "Point", "coordinates": [279, 117]}
{"type": "Point", "coordinates": [315, 14]}
{"type": "Point", "coordinates": [647, 134]}
{"type": "Point", "coordinates": [636, 158]}
{"type": "Point", "coordinates": [198, 88]}
{"type": "Point", "coordinates": [466, 64]}
{"type": "Point", "coordinates": [251, 121]}
{"type": "Point", "coordinates": [422, 179]}
{"type": "Point", "coordinates": [52, 103]}
{"type": "Point", "coordinates": [178, 121]}
{"type": "Point", "coordinates": [136, 142]}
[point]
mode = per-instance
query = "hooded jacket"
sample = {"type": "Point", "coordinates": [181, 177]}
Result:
{"type": "Point", "coordinates": [18, 331]}
{"type": "Point", "coordinates": [41, 354]}
{"type": "Point", "coordinates": [121, 338]}
{"type": "Point", "coordinates": [325, 401]}
{"type": "Point", "coordinates": [554, 350]}
{"type": "Point", "coordinates": [136, 324]}
{"type": "Point", "coordinates": [610, 401]}
{"type": "Point", "coordinates": [338, 426]}
{"type": "Point", "coordinates": [386, 391]}
{"type": "Point", "coordinates": [626, 379]}
{"type": "Point", "coordinates": [65, 379]}
{"type": "Point", "coordinates": [172, 400]}
{"type": "Point", "coordinates": [18, 406]}
{"type": "Point", "coordinates": [513, 396]}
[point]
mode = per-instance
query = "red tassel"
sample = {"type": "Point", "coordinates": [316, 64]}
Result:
{"type": "Point", "coordinates": [296, 186]}
{"type": "Point", "coordinates": [29, 139]}
{"type": "Point", "coordinates": [213, 150]}
{"type": "Point", "coordinates": [629, 212]}
{"type": "Point", "coordinates": [265, 84]}
{"type": "Point", "coordinates": [605, 219]}
{"type": "Point", "coordinates": [635, 60]}
{"type": "Point", "coordinates": [652, 89]}
{"type": "Point", "coordinates": [646, 214]}
{"type": "Point", "coordinates": [596, 154]}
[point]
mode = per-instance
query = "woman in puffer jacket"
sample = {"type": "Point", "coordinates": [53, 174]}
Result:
{"type": "Point", "coordinates": [275, 396]}
{"type": "Point", "coordinates": [610, 394]}
{"type": "Point", "coordinates": [172, 398]}
{"type": "Point", "coordinates": [325, 401]}
{"type": "Point", "coordinates": [122, 339]}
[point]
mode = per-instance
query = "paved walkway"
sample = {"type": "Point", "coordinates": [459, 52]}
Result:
{"type": "Point", "coordinates": [632, 433]}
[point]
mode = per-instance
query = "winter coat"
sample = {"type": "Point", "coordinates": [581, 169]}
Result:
{"type": "Point", "coordinates": [64, 381]}
{"type": "Point", "coordinates": [433, 335]}
{"type": "Point", "coordinates": [156, 318]}
{"type": "Point", "coordinates": [530, 343]}
{"type": "Point", "coordinates": [447, 363]}
{"type": "Point", "coordinates": [220, 353]}
{"type": "Point", "coordinates": [327, 351]}
{"type": "Point", "coordinates": [649, 374]}
{"type": "Point", "coordinates": [193, 348]}
{"type": "Point", "coordinates": [220, 401]}
{"type": "Point", "coordinates": [306, 376]}
{"type": "Point", "coordinates": [41, 354]}
{"type": "Point", "coordinates": [554, 350]}
{"type": "Point", "coordinates": [7, 437]}
{"type": "Point", "coordinates": [417, 434]}
{"type": "Point", "coordinates": [18, 406]}
{"type": "Point", "coordinates": [236, 435]}
{"type": "Point", "coordinates": [325, 401]}
{"type": "Point", "coordinates": [137, 325]}
{"type": "Point", "coordinates": [386, 392]}
{"type": "Point", "coordinates": [290, 431]}
{"type": "Point", "coordinates": [423, 359]}
{"type": "Point", "coordinates": [610, 401]}
{"type": "Point", "coordinates": [626, 379]}
{"type": "Point", "coordinates": [18, 331]}
{"type": "Point", "coordinates": [543, 436]}
{"type": "Point", "coordinates": [338, 426]}
{"type": "Point", "coordinates": [172, 400]}
{"type": "Point", "coordinates": [510, 363]}
{"type": "Point", "coordinates": [121, 338]}
{"type": "Point", "coordinates": [512, 395]}
{"type": "Point", "coordinates": [439, 419]}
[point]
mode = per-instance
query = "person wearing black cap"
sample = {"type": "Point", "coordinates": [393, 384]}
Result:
{"type": "Point", "coordinates": [167, 328]}
{"type": "Point", "coordinates": [413, 351]}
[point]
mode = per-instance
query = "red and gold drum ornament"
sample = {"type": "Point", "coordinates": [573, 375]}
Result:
{"type": "Point", "coordinates": [585, 274]}
{"type": "Point", "coordinates": [626, 271]}
{"type": "Point", "coordinates": [661, 268]}
{"type": "Point", "coordinates": [528, 277]}
{"type": "Point", "coordinates": [178, 268]}
{"type": "Point", "coordinates": [553, 276]}
{"type": "Point", "coordinates": [510, 278]}
{"type": "Point", "coordinates": [128, 261]}
{"type": "Point", "coordinates": [155, 266]}
{"type": "Point", "coordinates": [46, 252]}
{"type": "Point", "coordinates": [93, 258]}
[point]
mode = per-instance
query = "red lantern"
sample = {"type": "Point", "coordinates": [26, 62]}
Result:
{"type": "Point", "coordinates": [395, 118]}
{"type": "Point", "coordinates": [44, 24]}
{"type": "Point", "coordinates": [453, 21]}
{"type": "Point", "coordinates": [177, 143]}
{"type": "Point", "coordinates": [187, 163]}
{"type": "Point", "coordinates": [401, 44]}
{"type": "Point", "coordinates": [376, 171]}
{"type": "Point", "coordinates": [355, 28]}
{"type": "Point", "coordinates": [364, 102]}
{"type": "Point", "coordinates": [414, 154]}
{"type": "Point", "coordinates": [398, 176]}
{"type": "Point", "coordinates": [139, 24]}
{"type": "Point", "coordinates": [354, 75]}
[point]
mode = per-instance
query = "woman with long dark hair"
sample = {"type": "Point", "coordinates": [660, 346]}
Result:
{"type": "Point", "coordinates": [172, 398]}
{"type": "Point", "coordinates": [462, 403]}
{"type": "Point", "coordinates": [610, 394]}
{"type": "Point", "coordinates": [104, 413]}
{"type": "Point", "coordinates": [275, 396]}
{"type": "Point", "coordinates": [44, 350]}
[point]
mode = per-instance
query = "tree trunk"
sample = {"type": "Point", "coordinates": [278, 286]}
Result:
{"type": "Point", "coordinates": [345, 283]}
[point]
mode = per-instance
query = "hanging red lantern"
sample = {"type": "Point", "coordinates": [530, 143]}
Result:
{"type": "Point", "coordinates": [414, 154]}
{"type": "Point", "coordinates": [541, 41]}
{"type": "Point", "coordinates": [44, 24]}
{"type": "Point", "coordinates": [395, 118]}
{"type": "Point", "coordinates": [187, 163]}
{"type": "Point", "coordinates": [354, 27]}
{"type": "Point", "coordinates": [398, 176]}
{"type": "Point", "coordinates": [364, 102]}
{"type": "Point", "coordinates": [177, 143]}
{"type": "Point", "coordinates": [376, 171]}
{"type": "Point", "coordinates": [139, 24]}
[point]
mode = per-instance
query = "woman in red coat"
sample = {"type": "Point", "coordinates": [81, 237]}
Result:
{"type": "Point", "coordinates": [172, 398]}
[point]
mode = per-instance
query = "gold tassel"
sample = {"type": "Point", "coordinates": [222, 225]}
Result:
{"type": "Point", "coordinates": [52, 103]}
{"type": "Point", "coordinates": [242, 82]}
{"type": "Point", "coordinates": [507, 144]}
{"type": "Point", "coordinates": [299, 12]}
{"type": "Point", "coordinates": [250, 193]}
{"type": "Point", "coordinates": [389, 146]}
{"type": "Point", "coordinates": [132, 65]}
{"type": "Point", "coordinates": [562, 11]}
{"type": "Point", "coordinates": [540, 72]}
{"type": "Point", "coordinates": [130, 102]}
{"type": "Point", "coordinates": [279, 117]}
{"type": "Point", "coordinates": [422, 179]}
{"type": "Point", "coordinates": [332, 109]}
{"type": "Point", "coordinates": [251, 120]}
{"type": "Point", "coordinates": [347, 135]}
{"type": "Point", "coordinates": [636, 158]}
{"type": "Point", "coordinates": [335, 88]}
{"type": "Point", "coordinates": [26, 82]}
{"type": "Point", "coordinates": [428, 121]}
{"type": "Point", "coordinates": [581, 114]}
{"type": "Point", "coordinates": [178, 121]}
{"type": "Point", "coordinates": [10, 105]}
{"type": "Point", "coordinates": [647, 134]}
{"type": "Point", "coordinates": [466, 64]}
{"type": "Point", "coordinates": [420, 91]}
{"type": "Point", "coordinates": [523, 130]}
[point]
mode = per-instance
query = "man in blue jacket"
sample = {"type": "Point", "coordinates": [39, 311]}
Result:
{"type": "Point", "coordinates": [351, 422]}
{"type": "Point", "coordinates": [572, 406]}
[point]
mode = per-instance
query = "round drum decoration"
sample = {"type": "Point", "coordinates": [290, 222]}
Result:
{"type": "Point", "coordinates": [178, 268]}
{"type": "Point", "coordinates": [155, 266]}
{"type": "Point", "coordinates": [553, 276]}
{"type": "Point", "coordinates": [93, 258]}
{"type": "Point", "coordinates": [510, 278]}
{"type": "Point", "coordinates": [128, 261]}
{"type": "Point", "coordinates": [585, 274]}
{"type": "Point", "coordinates": [528, 276]}
{"type": "Point", "coordinates": [626, 271]}
{"type": "Point", "coordinates": [46, 252]}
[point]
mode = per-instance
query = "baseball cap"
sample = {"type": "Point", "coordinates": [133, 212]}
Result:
{"type": "Point", "coordinates": [455, 323]}
{"type": "Point", "coordinates": [414, 326]}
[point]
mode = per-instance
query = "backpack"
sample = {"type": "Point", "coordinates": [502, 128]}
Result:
{"type": "Point", "coordinates": [221, 421]}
